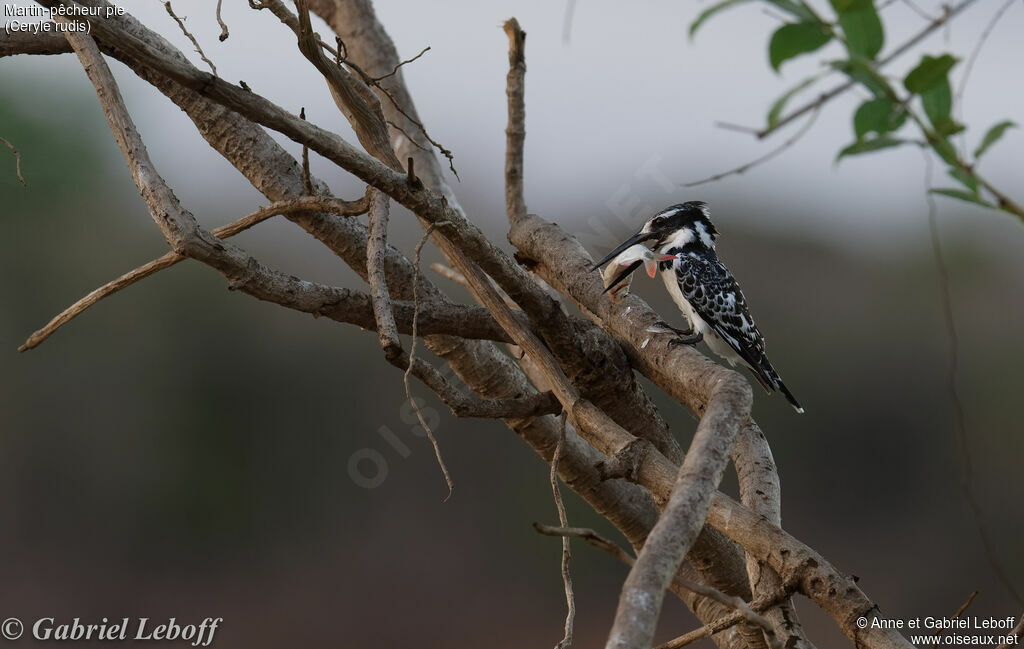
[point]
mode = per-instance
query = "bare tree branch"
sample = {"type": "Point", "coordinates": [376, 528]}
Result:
{"type": "Point", "coordinates": [685, 372]}
{"type": "Point", "coordinates": [515, 133]}
{"type": "Point", "coordinates": [188, 34]}
{"type": "Point", "coordinates": [1016, 634]}
{"type": "Point", "coordinates": [570, 600]}
{"type": "Point", "coordinates": [17, 161]}
{"type": "Point", "coordinates": [598, 541]}
{"type": "Point", "coordinates": [399, 65]}
{"type": "Point", "coordinates": [224, 33]}
{"type": "Point", "coordinates": [172, 258]}
{"type": "Point", "coordinates": [540, 329]}
{"type": "Point", "coordinates": [375, 248]}
{"type": "Point", "coordinates": [681, 521]}
{"type": "Point", "coordinates": [16, 43]}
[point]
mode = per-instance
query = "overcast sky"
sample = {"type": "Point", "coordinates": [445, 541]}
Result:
{"type": "Point", "coordinates": [629, 92]}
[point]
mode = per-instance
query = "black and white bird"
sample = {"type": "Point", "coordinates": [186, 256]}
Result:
{"type": "Point", "coordinates": [704, 289]}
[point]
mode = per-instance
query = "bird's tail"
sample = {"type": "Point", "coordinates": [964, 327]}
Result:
{"type": "Point", "coordinates": [769, 379]}
{"type": "Point", "coordinates": [790, 398]}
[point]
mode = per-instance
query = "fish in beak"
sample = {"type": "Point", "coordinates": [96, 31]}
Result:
{"type": "Point", "coordinates": [637, 238]}
{"type": "Point", "coordinates": [617, 276]}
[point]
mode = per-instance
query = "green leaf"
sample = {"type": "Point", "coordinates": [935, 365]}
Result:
{"type": "Point", "coordinates": [858, 70]}
{"type": "Point", "coordinates": [967, 178]}
{"type": "Point", "coordinates": [946, 126]}
{"type": "Point", "coordinates": [878, 116]}
{"type": "Point", "coordinates": [794, 39]}
{"type": "Point", "coordinates": [929, 72]}
{"type": "Point", "coordinates": [993, 136]}
{"type": "Point", "coordinates": [711, 11]}
{"type": "Point", "coordinates": [775, 112]}
{"type": "Point", "coordinates": [941, 145]}
{"type": "Point", "coordinates": [843, 6]}
{"type": "Point", "coordinates": [938, 101]}
{"type": "Point", "coordinates": [866, 146]}
{"type": "Point", "coordinates": [797, 10]}
{"type": "Point", "coordinates": [963, 196]}
{"type": "Point", "coordinates": [863, 30]}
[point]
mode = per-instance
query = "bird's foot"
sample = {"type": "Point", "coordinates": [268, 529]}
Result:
{"type": "Point", "coordinates": [683, 336]}
{"type": "Point", "coordinates": [692, 339]}
{"type": "Point", "coordinates": [661, 324]}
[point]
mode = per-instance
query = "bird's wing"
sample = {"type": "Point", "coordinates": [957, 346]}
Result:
{"type": "Point", "coordinates": [715, 295]}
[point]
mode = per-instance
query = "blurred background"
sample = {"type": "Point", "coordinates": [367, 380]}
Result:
{"type": "Point", "coordinates": [180, 450]}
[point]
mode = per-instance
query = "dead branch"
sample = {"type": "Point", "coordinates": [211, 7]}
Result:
{"type": "Point", "coordinates": [685, 373]}
{"type": "Point", "coordinates": [1015, 634]}
{"type": "Point", "coordinates": [760, 491]}
{"type": "Point", "coordinates": [188, 34]}
{"type": "Point", "coordinates": [171, 258]}
{"type": "Point", "coordinates": [17, 161]}
{"type": "Point", "coordinates": [224, 33]}
{"type": "Point", "coordinates": [627, 506]}
{"type": "Point", "coordinates": [601, 543]}
{"type": "Point", "coordinates": [681, 520]}
{"type": "Point", "coordinates": [376, 243]}
{"type": "Point", "coordinates": [515, 133]}
{"type": "Point", "coordinates": [405, 378]}
{"type": "Point", "coordinates": [399, 65]}
{"type": "Point", "coordinates": [570, 600]}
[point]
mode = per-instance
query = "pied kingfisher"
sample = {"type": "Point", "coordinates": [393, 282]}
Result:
{"type": "Point", "coordinates": [702, 287]}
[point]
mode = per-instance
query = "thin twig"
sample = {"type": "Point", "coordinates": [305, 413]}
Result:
{"type": "Point", "coordinates": [570, 12]}
{"type": "Point", "coordinates": [570, 600]}
{"type": "Point", "coordinates": [973, 57]}
{"type": "Point", "coordinates": [949, 13]}
{"type": "Point", "coordinates": [307, 179]}
{"type": "Point", "coordinates": [959, 611]}
{"type": "Point", "coordinates": [408, 137]}
{"type": "Point", "coordinates": [224, 33]}
{"type": "Point", "coordinates": [284, 15]}
{"type": "Point", "coordinates": [321, 203]}
{"type": "Point", "coordinates": [401, 63]}
{"type": "Point", "coordinates": [759, 605]}
{"type": "Point", "coordinates": [743, 610]}
{"type": "Point", "coordinates": [765, 158]}
{"type": "Point", "coordinates": [184, 30]}
{"type": "Point", "coordinates": [17, 160]}
{"type": "Point", "coordinates": [412, 356]}
{"type": "Point", "coordinates": [918, 10]}
{"type": "Point", "coordinates": [960, 418]}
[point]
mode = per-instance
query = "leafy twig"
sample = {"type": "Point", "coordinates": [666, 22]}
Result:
{"type": "Point", "coordinates": [766, 157]}
{"type": "Point", "coordinates": [828, 95]}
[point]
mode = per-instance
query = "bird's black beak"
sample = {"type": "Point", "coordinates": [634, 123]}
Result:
{"type": "Point", "coordinates": [626, 272]}
{"type": "Point", "coordinates": [639, 237]}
